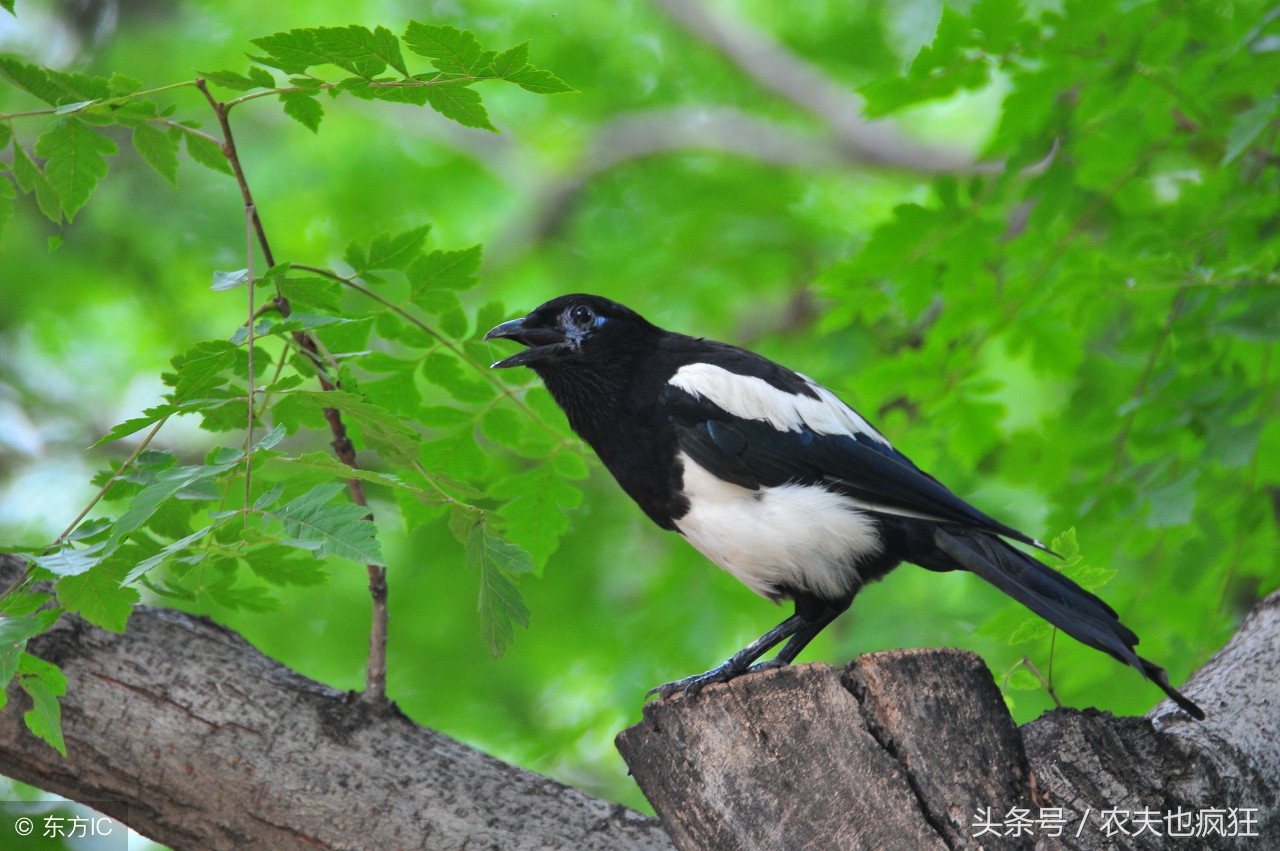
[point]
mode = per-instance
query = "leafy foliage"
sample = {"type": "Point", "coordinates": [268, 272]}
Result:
{"type": "Point", "coordinates": [1079, 336]}
{"type": "Point", "coordinates": [257, 514]}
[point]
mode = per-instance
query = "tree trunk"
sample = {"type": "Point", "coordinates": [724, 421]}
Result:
{"type": "Point", "coordinates": [915, 749]}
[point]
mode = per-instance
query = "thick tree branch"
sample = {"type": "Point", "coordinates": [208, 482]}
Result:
{"type": "Point", "coordinates": [915, 749]}
{"type": "Point", "coordinates": [781, 71]}
{"type": "Point", "coordinates": [205, 743]}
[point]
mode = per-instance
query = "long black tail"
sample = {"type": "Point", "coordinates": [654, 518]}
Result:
{"type": "Point", "coordinates": [1077, 612]}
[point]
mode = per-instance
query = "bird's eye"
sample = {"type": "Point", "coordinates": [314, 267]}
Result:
{"type": "Point", "coordinates": [582, 316]}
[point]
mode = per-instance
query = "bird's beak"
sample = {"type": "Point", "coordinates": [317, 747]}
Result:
{"type": "Point", "coordinates": [542, 342]}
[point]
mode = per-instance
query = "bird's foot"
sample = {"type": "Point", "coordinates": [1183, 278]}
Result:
{"type": "Point", "coordinates": [722, 674]}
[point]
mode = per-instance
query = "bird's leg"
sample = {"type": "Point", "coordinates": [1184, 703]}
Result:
{"type": "Point", "coordinates": [739, 663]}
{"type": "Point", "coordinates": [803, 635]}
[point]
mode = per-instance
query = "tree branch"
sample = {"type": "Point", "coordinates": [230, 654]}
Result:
{"type": "Point", "coordinates": [781, 71]}
{"type": "Point", "coordinates": [193, 738]}
{"type": "Point", "coordinates": [908, 749]}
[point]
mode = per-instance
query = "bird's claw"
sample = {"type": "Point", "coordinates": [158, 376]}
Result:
{"type": "Point", "coordinates": [690, 686]}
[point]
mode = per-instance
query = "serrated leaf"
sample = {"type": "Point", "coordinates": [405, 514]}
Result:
{"type": "Point", "coordinates": [303, 107]}
{"type": "Point", "coordinates": [398, 251]}
{"type": "Point", "coordinates": [151, 562]}
{"type": "Point", "coordinates": [32, 79]}
{"type": "Point", "coordinates": [315, 292]}
{"type": "Point", "coordinates": [207, 152]}
{"type": "Point", "coordinates": [453, 270]}
{"type": "Point", "coordinates": [292, 52]}
{"type": "Point", "coordinates": [123, 84]}
{"type": "Point", "coordinates": [261, 77]}
{"type": "Point", "coordinates": [513, 59]}
{"type": "Point", "coordinates": [448, 373]}
{"type": "Point", "coordinates": [450, 49]}
{"type": "Point", "coordinates": [15, 631]}
{"type": "Point", "coordinates": [44, 683]}
{"type": "Point", "coordinates": [539, 81]}
{"type": "Point", "coordinates": [199, 368]}
{"type": "Point", "coordinates": [278, 565]}
{"type": "Point", "coordinates": [128, 427]}
{"type": "Point", "coordinates": [229, 80]}
{"type": "Point", "coordinates": [76, 161]}
{"type": "Point", "coordinates": [158, 149]}
{"type": "Point", "coordinates": [500, 604]}
{"type": "Point", "coordinates": [339, 529]}
{"type": "Point", "coordinates": [1030, 630]}
{"type": "Point", "coordinates": [384, 431]}
{"type": "Point", "coordinates": [30, 178]}
{"type": "Point", "coordinates": [99, 597]}
{"type": "Point", "coordinates": [361, 51]}
{"type": "Point", "coordinates": [534, 516]}
{"type": "Point", "coordinates": [459, 104]}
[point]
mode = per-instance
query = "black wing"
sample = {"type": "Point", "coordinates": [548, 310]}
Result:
{"type": "Point", "coordinates": [753, 453]}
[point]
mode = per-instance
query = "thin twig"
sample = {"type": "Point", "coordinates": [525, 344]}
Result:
{"type": "Point", "coordinates": [375, 690]}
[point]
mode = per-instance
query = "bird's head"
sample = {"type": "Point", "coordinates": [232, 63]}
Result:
{"type": "Point", "coordinates": [572, 328]}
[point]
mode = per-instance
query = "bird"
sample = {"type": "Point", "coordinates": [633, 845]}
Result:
{"type": "Point", "coordinates": [777, 481]}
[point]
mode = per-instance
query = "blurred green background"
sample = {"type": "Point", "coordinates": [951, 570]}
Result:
{"type": "Point", "coordinates": [1080, 338]}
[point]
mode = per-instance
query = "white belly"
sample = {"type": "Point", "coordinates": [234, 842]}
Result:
{"type": "Point", "coordinates": [805, 537]}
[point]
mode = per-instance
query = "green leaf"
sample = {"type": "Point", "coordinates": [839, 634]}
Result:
{"type": "Point", "coordinates": [450, 49]}
{"type": "Point", "coordinates": [534, 517]}
{"type": "Point", "coordinates": [261, 77]}
{"type": "Point", "coordinates": [342, 529]}
{"type": "Point", "coordinates": [1030, 629]}
{"type": "Point", "coordinates": [31, 178]}
{"type": "Point", "coordinates": [159, 149]}
{"type": "Point", "coordinates": [453, 270]}
{"type": "Point", "coordinates": [513, 59]}
{"type": "Point", "coordinates": [395, 252]}
{"type": "Point", "coordinates": [7, 5]}
{"type": "Point", "coordinates": [199, 368]}
{"type": "Point", "coordinates": [229, 80]}
{"type": "Point", "coordinates": [384, 431]}
{"type": "Point", "coordinates": [1248, 125]}
{"type": "Point", "coordinates": [360, 51]}
{"type": "Point", "coordinates": [281, 566]}
{"type": "Point", "coordinates": [151, 562]}
{"type": "Point", "coordinates": [32, 79]}
{"type": "Point", "coordinates": [303, 107]}
{"type": "Point", "coordinates": [123, 84]}
{"type": "Point", "coordinates": [15, 631]}
{"type": "Point", "coordinates": [460, 104]}
{"type": "Point", "coordinates": [76, 161]}
{"type": "Point", "coordinates": [7, 194]}
{"type": "Point", "coordinates": [500, 605]}
{"type": "Point", "coordinates": [448, 373]}
{"type": "Point", "coordinates": [99, 597]}
{"type": "Point", "coordinates": [128, 427]}
{"type": "Point", "coordinates": [207, 152]}
{"type": "Point", "coordinates": [314, 292]}
{"type": "Point", "coordinates": [44, 683]}
{"type": "Point", "coordinates": [292, 52]}
{"type": "Point", "coordinates": [538, 81]}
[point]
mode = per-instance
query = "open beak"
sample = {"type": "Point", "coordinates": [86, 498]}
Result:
{"type": "Point", "coordinates": [542, 342]}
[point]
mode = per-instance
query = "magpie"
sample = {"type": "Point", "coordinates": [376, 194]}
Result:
{"type": "Point", "coordinates": [777, 481]}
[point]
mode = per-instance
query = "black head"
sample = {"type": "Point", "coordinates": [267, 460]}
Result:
{"type": "Point", "coordinates": [571, 330]}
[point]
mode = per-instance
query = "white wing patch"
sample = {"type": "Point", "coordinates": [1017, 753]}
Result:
{"type": "Point", "coordinates": [756, 399]}
{"type": "Point", "coordinates": [802, 536]}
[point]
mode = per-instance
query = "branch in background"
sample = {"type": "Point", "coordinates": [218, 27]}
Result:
{"type": "Point", "coordinates": [781, 71]}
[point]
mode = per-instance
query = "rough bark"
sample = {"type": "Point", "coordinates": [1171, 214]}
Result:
{"type": "Point", "coordinates": [183, 731]}
{"type": "Point", "coordinates": [916, 749]}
